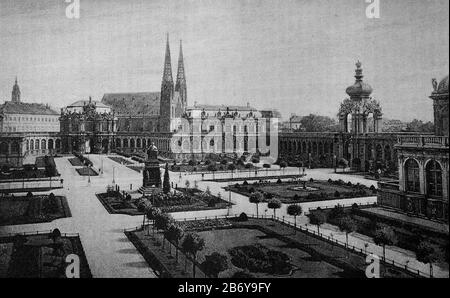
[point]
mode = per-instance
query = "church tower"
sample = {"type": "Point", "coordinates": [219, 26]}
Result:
{"type": "Point", "coordinates": [15, 94]}
{"type": "Point", "coordinates": [167, 108]}
{"type": "Point", "coordinates": [180, 85]}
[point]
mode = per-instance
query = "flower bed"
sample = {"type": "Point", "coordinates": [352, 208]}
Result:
{"type": "Point", "coordinates": [86, 172]}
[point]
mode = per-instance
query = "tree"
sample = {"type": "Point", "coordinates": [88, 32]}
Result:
{"type": "Point", "coordinates": [294, 210]}
{"type": "Point", "coordinates": [347, 225]}
{"type": "Point", "coordinates": [274, 204]}
{"type": "Point", "coordinates": [283, 165]}
{"type": "Point", "coordinates": [318, 218]}
{"type": "Point", "coordinates": [192, 244]}
{"type": "Point", "coordinates": [152, 213]}
{"type": "Point", "coordinates": [162, 222]}
{"type": "Point", "coordinates": [420, 126]}
{"type": "Point", "coordinates": [343, 163]}
{"type": "Point", "coordinates": [142, 207]}
{"type": "Point", "coordinates": [317, 123]}
{"type": "Point", "coordinates": [187, 184]}
{"type": "Point", "coordinates": [256, 198]}
{"type": "Point", "coordinates": [427, 253]}
{"type": "Point", "coordinates": [214, 264]}
{"type": "Point", "coordinates": [385, 236]}
{"type": "Point", "coordinates": [174, 234]}
{"type": "Point", "coordinates": [166, 182]}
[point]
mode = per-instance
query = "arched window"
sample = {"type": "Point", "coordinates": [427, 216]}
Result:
{"type": "Point", "coordinates": [28, 145]}
{"type": "Point", "coordinates": [434, 178]}
{"type": "Point", "coordinates": [43, 145]}
{"type": "Point", "coordinates": [4, 148]}
{"type": "Point", "coordinates": [58, 143]}
{"type": "Point", "coordinates": [118, 143]}
{"type": "Point", "coordinates": [125, 143]}
{"type": "Point", "coordinates": [412, 175]}
{"type": "Point", "coordinates": [138, 143]}
{"type": "Point", "coordinates": [36, 145]}
{"type": "Point", "coordinates": [32, 145]}
{"type": "Point", "coordinates": [132, 143]}
{"type": "Point", "coordinates": [50, 144]}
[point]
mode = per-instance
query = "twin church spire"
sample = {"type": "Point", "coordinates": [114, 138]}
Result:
{"type": "Point", "coordinates": [167, 79]}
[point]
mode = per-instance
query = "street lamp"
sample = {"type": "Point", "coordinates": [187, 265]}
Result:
{"type": "Point", "coordinates": [335, 163]}
{"type": "Point", "coordinates": [113, 179]}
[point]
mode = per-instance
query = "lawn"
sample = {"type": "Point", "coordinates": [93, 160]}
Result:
{"type": "Point", "coordinates": [38, 256]}
{"type": "Point", "coordinates": [24, 210]}
{"type": "Point", "coordinates": [408, 237]}
{"type": "Point", "coordinates": [303, 191]}
{"type": "Point", "coordinates": [76, 162]}
{"type": "Point", "coordinates": [304, 265]}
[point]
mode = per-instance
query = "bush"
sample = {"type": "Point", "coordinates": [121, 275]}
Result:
{"type": "Point", "coordinates": [337, 194]}
{"type": "Point", "coordinates": [266, 166]}
{"type": "Point", "coordinates": [245, 182]}
{"type": "Point", "coordinates": [212, 202]}
{"type": "Point", "coordinates": [311, 180]}
{"type": "Point", "coordinates": [243, 217]}
{"type": "Point", "coordinates": [248, 165]}
{"type": "Point", "coordinates": [279, 181]}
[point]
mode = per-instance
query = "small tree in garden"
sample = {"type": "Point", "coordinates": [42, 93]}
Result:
{"type": "Point", "coordinates": [174, 234]}
{"type": "Point", "coordinates": [294, 210]}
{"type": "Point", "coordinates": [283, 165]}
{"type": "Point", "coordinates": [318, 218]}
{"type": "Point", "coordinates": [192, 244]}
{"type": "Point", "coordinates": [214, 264]}
{"type": "Point", "coordinates": [274, 204]}
{"type": "Point", "coordinates": [385, 236]}
{"type": "Point", "coordinates": [166, 181]}
{"type": "Point", "coordinates": [142, 207]}
{"type": "Point", "coordinates": [256, 198]}
{"type": "Point", "coordinates": [187, 184]}
{"type": "Point", "coordinates": [427, 253]}
{"type": "Point", "coordinates": [162, 222]}
{"type": "Point", "coordinates": [347, 225]}
{"type": "Point", "coordinates": [152, 214]}
{"type": "Point", "coordinates": [231, 167]}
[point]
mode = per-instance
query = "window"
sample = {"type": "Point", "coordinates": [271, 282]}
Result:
{"type": "Point", "coordinates": [434, 178]}
{"type": "Point", "coordinates": [412, 176]}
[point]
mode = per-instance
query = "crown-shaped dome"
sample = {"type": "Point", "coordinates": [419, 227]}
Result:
{"type": "Point", "coordinates": [359, 88]}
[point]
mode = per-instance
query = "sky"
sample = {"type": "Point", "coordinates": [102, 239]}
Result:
{"type": "Point", "coordinates": [297, 56]}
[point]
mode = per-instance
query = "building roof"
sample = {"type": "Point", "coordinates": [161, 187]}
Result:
{"type": "Point", "coordinates": [82, 103]}
{"type": "Point", "coordinates": [10, 107]}
{"type": "Point", "coordinates": [221, 107]}
{"type": "Point", "coordinates": [141, 103]}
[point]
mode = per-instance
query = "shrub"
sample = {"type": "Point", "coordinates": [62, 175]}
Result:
{"type": "Point", "coordinates": [266, 166]}
{"type": "Point", "coordinates": [279, 181]}
{"type": "Point", "coordinates": [212, 202]}
{"type": "Point", "coordinates": [248, 165]}
{"type": "Point", "coordinates": [243, 217]}
{"type": "Point", "coordinates": [337, 194]}
{"type": "Point", "coordinates": [245, 182]}
{"type": "Point", "coordinates": [311, 180]}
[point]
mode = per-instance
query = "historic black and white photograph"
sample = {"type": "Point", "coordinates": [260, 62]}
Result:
{"type": "Point", "coordinates": [246, 140]}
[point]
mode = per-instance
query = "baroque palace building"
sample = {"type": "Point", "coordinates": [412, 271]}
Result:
{"type": "Point", "coordinates": [27, 130]}
{"type": "Point", "coordinates": [360, 139]}
{"type": "Point", "coordinates": [423, 185]}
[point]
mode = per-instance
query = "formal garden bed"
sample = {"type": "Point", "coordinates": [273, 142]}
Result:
{"type": "Point", "coordinates": [242, 247]}
{"type": "Point", "coordinates": [385, 231]}
{"type": "Point", "coordinates": [40, 256]}
{"type": "Point", "coordinates": [120, 160]}
{"type": "Point", "coordinates": [303, 191]}
{"type": "Point", "coordinates": [86, 171]}
{"type": "Point", "coordinates": [226, 164]}
{"type": "Point", "coordinates": [135, 168]}
{"type": "Point", "coordinates": [31, 208]}
{"type": "Point", "coordinates": [179, 200]}
{"type": "Point", "coordinates": [44, 167]}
